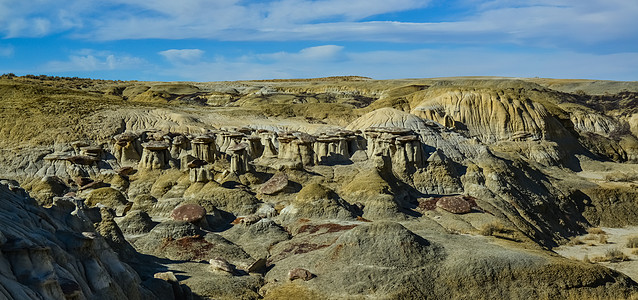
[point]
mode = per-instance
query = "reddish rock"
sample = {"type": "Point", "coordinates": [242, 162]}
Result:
{"type": "Point", "coordinates": [299, 273]}
{"type": "Point", "coordinates": [427, 204]}
{"type": "Point", "coordinates": [454, 204]}
{"type": "Point", "coordinates": [188, 212]}
{"type": "Point", "coordinates": [275, 184]}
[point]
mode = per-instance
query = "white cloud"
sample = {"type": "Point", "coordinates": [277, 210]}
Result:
{"type": "Point", "coordinates": [568, 24]}
{"type": "Point", "coordinates": [421, 63]}
{"type": "Point", "coordinates": [89, 60]}
{"type": "Point", "coordinates": [178, 56]}
{"type": "Point", "coordinates": [319, 53]}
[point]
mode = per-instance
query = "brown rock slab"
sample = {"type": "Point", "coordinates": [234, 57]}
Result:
{"type": "Point", "coordinates": [82, 159]}
{"type": "Point", "coordinates": [454, 204]}
{"type": "Point", "coordinates": [299, 273]}
{"type": "Point", "coordinates": [155, 145]}
{"type": "Point", "coordinates": [189, 213]}
{"type": "Point", "coordinates": [275, 184]}
{"type": "Point", "coordinates": [197, 163]}
{"type": "Point", "coordinates": [258, 266]}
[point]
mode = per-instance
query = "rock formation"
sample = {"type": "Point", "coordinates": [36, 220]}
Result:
{"type": "Point", "coordinates": [204, 148]}
{"type": "Point", "coordinates": [473, 180]}
{"type": "Point", "coordinates": [155, 155]}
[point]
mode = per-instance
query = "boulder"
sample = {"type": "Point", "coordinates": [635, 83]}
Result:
{"type": "Point", "coordinates": [192, 213]}
{"type": "Point", "coordinates": [299, 273]}
{"type": "Point", "coordinates": [275, 184]}
{"type": "Point", "coordinates": [220, 264]}
{"type": "Point", "coordinates": [454, 204]}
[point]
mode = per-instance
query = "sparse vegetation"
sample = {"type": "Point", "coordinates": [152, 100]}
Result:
{"type": "Point", "coordinates": [575, 241]}
{"type": "Point", "coordinates": [612, 255]}
{"type": "Point", "coordinates": [632, 242]}
{"type": "Point", "coordinates": [497, 229]}
{"type": "Point", "coordinates": [595, 230]}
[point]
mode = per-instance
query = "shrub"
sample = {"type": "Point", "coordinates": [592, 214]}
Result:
{"type": "Point", "coordinates": [575, 241]}
{"type": "Point", "coordinates": [632, 242]}
{"type": "Point", "coordinates": [595, 230]}
{"type": "Point", "coordinates": [496, 229]}
{"type": "Point", "coordinates": [614, 255]}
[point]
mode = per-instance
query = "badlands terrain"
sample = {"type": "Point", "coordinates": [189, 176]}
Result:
{"type": "Point", "coordinates": [329, 188]}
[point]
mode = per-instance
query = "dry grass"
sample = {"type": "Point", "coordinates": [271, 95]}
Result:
{"type": "Point", "coordinates": [575, 241]}
{"type": "Point", "coordinates": [612, 255]}
{"type": "Point", "coordinates": [632, 242]}
{"type": "Point", "coordinates": [498, 230]}
{"type": "Point", "coordinates": [634, 252]}
{"type": "Point", "coordinates": [595, 230]}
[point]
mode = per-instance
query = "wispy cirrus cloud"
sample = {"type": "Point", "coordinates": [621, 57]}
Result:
{"type": "Point", "coordinates": [417, 63]}
{"type": "Point", "coordinates": [180, 56]}
{"type": "Point", "coordinates": [560, 23]}
{"type": "Point", "coordinates": [91, 60]}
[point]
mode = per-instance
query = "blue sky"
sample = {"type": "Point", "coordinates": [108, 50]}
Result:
{"type": "Point", "coordinates": [211, 40]}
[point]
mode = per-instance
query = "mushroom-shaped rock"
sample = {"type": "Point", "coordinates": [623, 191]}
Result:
{"type": "Point", "coordinates": [127, 148]}
{"type": "Point", "coordinates": [275, 184]}
{"type": "Point", "coordinates": [229, 139]}
{"type": "Point", "coordinates": [155, 155]}
{"type": "Point", "coordinates": [268, 142]}
{"type": "Point", "coordinates": [204, 148]}
{"type": "Point", "coordinates": [454, 204]}
{"type": "Point", "coordinates": [297, 147]}
{"type": "Point", "coordinates": [222, 265]}
{"type": "Point", "coordinates": [179, 146]}
{"type": "Point", "coordinates": [255, 148]}
{"type": "Point", "coordinates": [192, 213]}
{"type": "Point", "coordinates": [238, 158]}
{"type": "Point", "coordinates": [299, 273]}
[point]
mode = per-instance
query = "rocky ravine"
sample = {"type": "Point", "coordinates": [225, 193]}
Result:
{"type": "Point", "coordinates": [328, 188]}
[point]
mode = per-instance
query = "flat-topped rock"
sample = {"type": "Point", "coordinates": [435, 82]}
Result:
{"type": "Point", "coordinates": [155, 145]}
{"type": "Point", "coordinates": [407, 138]}
{"type": "Point", "coordinates": [238, 147]}
{"type": "Point", "coordinates": [203, 139]}
{"type": "Point", "coordinates": [197, 163]}
{"type": "Point", "coordinates": [82, 159]}
{"type": "Point", "coordinates": [125, 137]}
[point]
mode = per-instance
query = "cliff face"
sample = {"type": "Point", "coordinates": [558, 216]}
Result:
{"type": "Point", "coordinates": [55, 253]}
{"type": "Point", "coordinates": [247, 189]}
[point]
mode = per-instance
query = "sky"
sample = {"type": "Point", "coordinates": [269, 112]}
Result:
{"type": "Point", "coordinates": [219, 40]}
